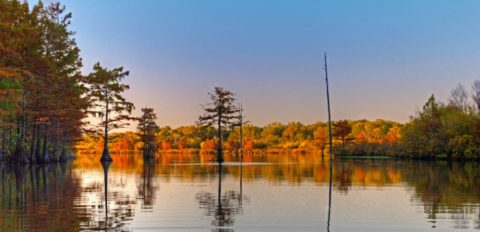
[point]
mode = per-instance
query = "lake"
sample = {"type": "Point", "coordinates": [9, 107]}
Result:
{"type": "Point", "coordinates": [264, 193]}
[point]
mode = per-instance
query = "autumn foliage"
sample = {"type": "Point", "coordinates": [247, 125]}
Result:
{"type": "Point", "coordinates": [42, 101]}
{"type": "Point", "coordinates": [274, 137]}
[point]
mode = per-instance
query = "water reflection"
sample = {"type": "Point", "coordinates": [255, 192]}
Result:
{"type": "Point", "coordinates": [224, 208]}
{"type": "Point", "coordinates": [147, 187]}
{"type": "Point", "coordinates": [112, 210]}
{"type": "Point", "coordinates": [126, 195]}
{"type": "Point", "coordinates": [38, 198]}
{"type": "Point", "coordinates": [105, 166]}
{"type": "Point", "coordinates": [330, 184]}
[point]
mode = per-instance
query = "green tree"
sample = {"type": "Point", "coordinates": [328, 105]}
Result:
{"type": "Point", "coordinates": [272, 134]}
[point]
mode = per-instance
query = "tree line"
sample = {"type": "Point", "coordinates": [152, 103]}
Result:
{"type": "Point", "coordinates": [437, 131]}
{"type": "Point", "coordinates": [274, 137]}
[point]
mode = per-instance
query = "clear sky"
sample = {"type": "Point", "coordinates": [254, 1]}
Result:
{"type": "Point", "coordinates": [385, 57]}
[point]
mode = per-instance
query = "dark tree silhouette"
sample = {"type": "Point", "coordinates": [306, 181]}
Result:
{"type": "Point", "coordinates": [221, 111]}
{"type": "Point", "coordinates": [105, 89]}
{"type": "Point", "coordinates": [148, 130]}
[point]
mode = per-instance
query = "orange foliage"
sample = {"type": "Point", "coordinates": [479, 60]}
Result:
{"type": "Point", "coordinates": [393, 135]}
{"type": "Point", "coordinates": [376, 136]}
{"type": "Point", "coordinates": [122, 145]}
{"type": "Point", "coordinates": [100, 145]}
{"type": "Point", "coordinates": [181, 144]}
{"type": "Point", "coordinates": [248, 145]}
{"type": "Point", "coordinates": [361, 137]}
{"type": "Point", "coordinates": [166, 145]}
{"type": "Point", "coordinates": [308, 167]}
{"type": "Point", "coordinates": [208, 144]}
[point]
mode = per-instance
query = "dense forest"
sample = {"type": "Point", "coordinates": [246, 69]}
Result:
{"type": "Point", "coordinates": [44, 98]}
{"type": "Point", "coordinates": [274, 136]}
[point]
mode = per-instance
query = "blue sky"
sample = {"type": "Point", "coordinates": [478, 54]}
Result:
{"type": "Point", "coordinates": [385, 57]}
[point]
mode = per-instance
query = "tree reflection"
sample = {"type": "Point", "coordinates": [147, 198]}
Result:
{"type": "Point", "coordinates": [223, 208]}
{"type": "Point", "coordinates": [31, 199]}
{"type": "Point", "coordinates": [445, 190]}
{"type": "Point", "coordinates": [330, 184]}
{"type": "Point", "coordinates": [116, 207]}
{"type": "Point", "coordinates": [105, 166]}
{"type": "Point", "coordinates": [147, 187]}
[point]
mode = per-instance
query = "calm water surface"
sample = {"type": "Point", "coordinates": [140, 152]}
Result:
{"type": "Point", "coordinates": [264, 193]}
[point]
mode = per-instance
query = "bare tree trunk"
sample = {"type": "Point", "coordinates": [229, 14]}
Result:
{"type": "Point", "coordinates": [331, 147]}
{"type": "Point", "coordinates": [329, 113]}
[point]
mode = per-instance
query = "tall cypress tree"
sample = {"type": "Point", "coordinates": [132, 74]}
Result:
{"type": "Point", "coordinates": [105, 90]}
{"type": "Point", "coordinates": [148, 129]}
{"type": "Point", "coordinates": [221, 111]}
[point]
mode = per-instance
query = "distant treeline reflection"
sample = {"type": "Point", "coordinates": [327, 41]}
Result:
{"type": "Point", "coordinates": [49, 194]}
{"type": "Point", "coordinates": [444, 180]}
{"type": "Point", "coordinates": [441, 186]}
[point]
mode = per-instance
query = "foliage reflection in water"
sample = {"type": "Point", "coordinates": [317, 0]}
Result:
{"type": "Point", "coordinates": [267, 192]}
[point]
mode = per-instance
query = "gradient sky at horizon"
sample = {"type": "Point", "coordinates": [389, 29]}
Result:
{"type": "Point", "coordinates": [385, 57]}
